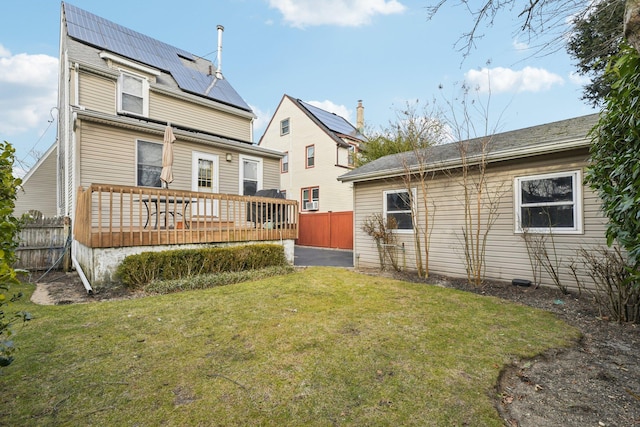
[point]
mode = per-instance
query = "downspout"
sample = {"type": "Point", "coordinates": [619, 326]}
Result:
{"type": "Point", "coordinates": [76, 84]}
{"type": "Point", "coordinates": [76, 101]}
{"type": "Point", "coordinates": [83, 277]}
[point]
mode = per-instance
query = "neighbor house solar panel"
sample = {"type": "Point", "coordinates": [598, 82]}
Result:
{"type": "Point", "coordinates": [333, 121]}
{"type": "Point", "coordinates": [104, 34]}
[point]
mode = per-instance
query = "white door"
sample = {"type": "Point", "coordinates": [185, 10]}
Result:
{"type": "Point", "coordinates": [205, 180]}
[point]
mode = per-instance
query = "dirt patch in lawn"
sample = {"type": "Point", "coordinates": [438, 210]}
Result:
{"type": "Point", "coordinates": [58, 288]}
{"type": "Point", "coordinates": [594, 383]}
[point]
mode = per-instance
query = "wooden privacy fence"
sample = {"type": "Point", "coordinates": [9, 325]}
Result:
{"type": "Point", "coordinates": [43, 244]}
{"type": "Point", "coordinates": [327, 230]}
{"type": "Point", "coordinates": [117, 216]}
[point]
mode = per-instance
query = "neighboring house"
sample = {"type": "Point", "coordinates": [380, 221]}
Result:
{"type": "Point", "coordinates": [318, 147]}
{"type": "Point", "coordinates": [121, 94]}
{"type": "Point", "coordinates": [38, 190]}
{"type": "Point", "coordinates": [533, 174]}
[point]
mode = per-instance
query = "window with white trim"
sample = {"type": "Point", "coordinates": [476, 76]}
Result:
{"type": "Point", "coordinates": [397, 207]}
{"type": "Point", "coordinates": [133, 94]}
{"type": "Point", "coordinates": [310, 195]}
{"type": "Point", "coordinates": [284, 127]}
{"type": "Point", "coordinates": [549, 203]}
{"type": "Point", "coordinates": [284, 163]}
{"type": "Point", "coordinates": [149, 164]}
{"type": "Point", "coordinates": [250, 175]}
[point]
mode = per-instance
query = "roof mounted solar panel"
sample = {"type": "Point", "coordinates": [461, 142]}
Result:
{"type": "Point", "coordinates": [332, 121]}
{"type": "Point", "coordinates": [103, 34]}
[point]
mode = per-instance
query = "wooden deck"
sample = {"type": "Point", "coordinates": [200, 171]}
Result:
{"type": "Point", "coordinates": [121, 216]}
{"type": "Point", "coordinates": [106, 239]}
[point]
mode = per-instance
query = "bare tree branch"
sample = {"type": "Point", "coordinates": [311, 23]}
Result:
{"type": "Point", "coordinates": [546, 22]}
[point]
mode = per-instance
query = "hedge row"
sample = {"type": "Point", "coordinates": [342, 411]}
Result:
{"type": "Point", "coordinates": [138, 270]}
{"type": "Point", "coordinates": [206, 281]}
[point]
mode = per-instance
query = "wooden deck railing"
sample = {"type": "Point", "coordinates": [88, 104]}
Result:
{"type": "Point", "coordinates": [117, 216]}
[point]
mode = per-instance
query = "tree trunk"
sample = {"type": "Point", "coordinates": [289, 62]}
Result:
{"type": "Point", "coordinates": [632, 23]}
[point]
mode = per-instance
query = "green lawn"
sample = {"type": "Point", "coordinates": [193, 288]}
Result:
{"type": "Point", "coordinates": [321, 346]}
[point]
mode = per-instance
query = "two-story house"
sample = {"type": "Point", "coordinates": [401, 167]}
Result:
{"type": "Point", "coordinates": [318, 147]}
{"type": "Point", "coordinates": [125, 101]}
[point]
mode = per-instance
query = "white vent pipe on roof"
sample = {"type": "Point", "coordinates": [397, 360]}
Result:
{"type": "Point", "coordinates": [219, 69]}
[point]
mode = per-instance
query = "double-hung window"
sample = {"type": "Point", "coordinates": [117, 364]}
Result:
{"type": "Point", "coordinates": [549, 203]}
{"type": "Point", "coordinates": [284, 127]}
{"type": "Point", "coordinates": [133, 94]}
{"type": "Point", "coordinates": [284, 163]}
{"type": "Point", "coordinates": [311, 156]}
{"type": "Point", "coordinates": [397, 208]}
{"type": "Point", "coordinates": [149, 164]}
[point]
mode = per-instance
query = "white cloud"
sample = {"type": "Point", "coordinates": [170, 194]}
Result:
{"type": "Point", "coordinates": [500, 79]}
{"type": "Point", "coordinates": [329, 106]}
{"type": "Point", "coordinates": [28, 84]}
{"type": "Point", "coordinates": [4, 52]}
{"type": "Point", "coordinates": [579, 80]}
{"type": "Point", "coordinates": [344, 13]}
{"type": "Point", "coordinates": [518, 45]}
{"type": "Point", "coordinates": [259, 124]}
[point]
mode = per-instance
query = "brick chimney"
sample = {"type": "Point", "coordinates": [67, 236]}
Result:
{"type": "Point", "coordinates": [360, 116]}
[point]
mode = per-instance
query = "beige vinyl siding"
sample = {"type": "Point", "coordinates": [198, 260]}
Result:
{"type": "Point", "coordinates": [506, 253]}
{"type": "Point", "coordinates": [334, 195]}
{"type": "Point", "coordinates": [109, 156]}
{"type": "Point", "coordinates": [97, 93]}
{"type": "Point", "coordinates": [271, 173]}
{"type": "Point", "coordinates": [193, 115]}
{"type": "Point", "coordinates": [39, 191]}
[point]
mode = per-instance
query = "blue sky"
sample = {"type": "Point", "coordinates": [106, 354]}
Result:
{"type": "Point", "coordinates": [330, 53]}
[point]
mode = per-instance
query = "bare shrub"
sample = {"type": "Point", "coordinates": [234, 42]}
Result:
{"type": "Point", "coordinates": [542, 256]}
{"type": "Point", "coordinates": [615, 293]}
{"type": "Point", "coordinates": [386, 240]}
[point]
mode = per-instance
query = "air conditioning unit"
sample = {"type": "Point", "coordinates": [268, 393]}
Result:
{"type": "Point", "coordinates": [311, 206]}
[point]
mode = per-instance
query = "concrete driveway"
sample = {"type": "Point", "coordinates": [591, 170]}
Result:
{"type": "Point", "coordinates": [306, 256]}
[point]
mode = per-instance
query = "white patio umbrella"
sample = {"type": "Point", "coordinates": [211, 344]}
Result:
{"type": "Point", "coordinates": [167, 157]}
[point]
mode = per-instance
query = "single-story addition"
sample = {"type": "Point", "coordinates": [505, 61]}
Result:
{"type": "Point", "coordinates": [534, 178]}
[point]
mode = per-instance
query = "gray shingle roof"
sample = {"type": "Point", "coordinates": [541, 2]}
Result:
{"type": "Point", "coordinates": [189, 71]}
{"type": "Point", "coordinates": [552, 137]}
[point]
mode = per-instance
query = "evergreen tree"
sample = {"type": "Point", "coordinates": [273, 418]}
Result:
{"type": "Point", "coordinates": [596, 38]}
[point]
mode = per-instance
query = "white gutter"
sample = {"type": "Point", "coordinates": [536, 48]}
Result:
{"type": "Point", "coordinates": [217, 141]}
{"type": "Point", "coordinates": [491, 157]}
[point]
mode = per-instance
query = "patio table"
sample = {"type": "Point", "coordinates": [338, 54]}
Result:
{"type": "Point", "coordinates": [167, 204]}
